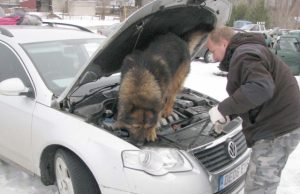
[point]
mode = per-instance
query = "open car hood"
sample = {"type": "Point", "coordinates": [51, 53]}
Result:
{"type": "Point", "coordinates": [158, 17]}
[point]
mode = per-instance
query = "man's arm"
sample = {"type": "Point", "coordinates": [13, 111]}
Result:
{"type": "Point", "coordinates": [258, 87]}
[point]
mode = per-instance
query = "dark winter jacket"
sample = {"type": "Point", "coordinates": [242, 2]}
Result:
{"type": "Point", "coordinates": [261, 89]}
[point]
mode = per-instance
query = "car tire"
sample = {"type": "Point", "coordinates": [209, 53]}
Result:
{"type": "Point", "coordinates": [208, 57]}
{"type": "Point", "coordinates": [72, 175]}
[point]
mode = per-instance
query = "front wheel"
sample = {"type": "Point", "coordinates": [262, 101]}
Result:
{"type": "Point", "coordinates": [72, 175]}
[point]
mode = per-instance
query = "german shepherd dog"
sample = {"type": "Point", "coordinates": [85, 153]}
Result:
{"type": "Point", "coordinates": [150, 80]}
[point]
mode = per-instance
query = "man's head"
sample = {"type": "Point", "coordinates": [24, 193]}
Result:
{"type": "Point", "coordinates": [218, 41]}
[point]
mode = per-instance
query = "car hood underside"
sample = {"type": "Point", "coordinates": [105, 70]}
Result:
{"type": "Point", "coordinates": [158, 17]}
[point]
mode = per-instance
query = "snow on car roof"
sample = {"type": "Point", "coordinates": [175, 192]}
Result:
{"type": "Point", "coordinates": [28, 34]}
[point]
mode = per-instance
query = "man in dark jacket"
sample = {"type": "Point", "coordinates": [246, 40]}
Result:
{"type": "Point", "coordinates": [264, 93]}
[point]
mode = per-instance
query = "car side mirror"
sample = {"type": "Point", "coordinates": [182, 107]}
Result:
{"type": "Point", "coordinates": [14, 87]}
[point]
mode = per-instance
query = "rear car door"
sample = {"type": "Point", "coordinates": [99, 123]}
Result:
{"type": "Point", "coordinates": [288, 50]}
{"type": "Point", "coordinates": [15, 111]}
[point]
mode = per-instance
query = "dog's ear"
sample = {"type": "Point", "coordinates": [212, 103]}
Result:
{"type": "Point", "coordinates": [132, 59]}
{"type": "Point", "coordinates": [129, 60]}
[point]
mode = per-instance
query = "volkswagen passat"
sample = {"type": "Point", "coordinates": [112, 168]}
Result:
{"type": "Point", "coordinates": [58, 106]}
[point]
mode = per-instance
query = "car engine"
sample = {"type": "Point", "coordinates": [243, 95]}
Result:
{"type": "Point", "coordinates": [189, 119]}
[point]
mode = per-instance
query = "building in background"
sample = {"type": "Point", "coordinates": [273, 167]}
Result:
{"type": "Point", "coordinates": [9, 3]}
{"type": "Point", "coordinates": [101, 8]}
{"type": "Point", "coordinates": [28, 4]}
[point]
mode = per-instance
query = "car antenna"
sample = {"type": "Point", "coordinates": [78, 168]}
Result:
{"type": "Point", "coordinates": [140, 29]}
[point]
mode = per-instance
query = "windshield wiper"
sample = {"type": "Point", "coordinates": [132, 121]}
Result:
{"type": "Point", "coordinates": [92, 92]}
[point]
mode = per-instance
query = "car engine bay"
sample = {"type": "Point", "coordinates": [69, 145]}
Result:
{"type": "Point", "coordinates": [188, 126]}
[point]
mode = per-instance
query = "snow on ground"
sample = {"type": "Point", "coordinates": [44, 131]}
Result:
{"type": "Point", "coordinates": [290, 178]}
{"type": "Point", "coordinates": [15, 181]}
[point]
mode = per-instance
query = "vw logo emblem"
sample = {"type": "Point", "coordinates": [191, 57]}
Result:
{"type": "Point", "coordinates": [232, 149]}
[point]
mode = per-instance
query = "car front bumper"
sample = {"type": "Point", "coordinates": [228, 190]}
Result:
{"type": "Point", "coordinates": [196, 181]}
{"type": "Point", "coordinates": [238, 169]}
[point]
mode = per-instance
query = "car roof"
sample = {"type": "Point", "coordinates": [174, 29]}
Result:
{"type": "Point", "coordinates": [295, 31]}
{"type": "Point", "coordinates": [289, 36]}
{"type": "Point", "coordinates": [29, 34]}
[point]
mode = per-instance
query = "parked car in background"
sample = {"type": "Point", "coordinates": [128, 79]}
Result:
{"type": "Point", "coordinates": [277, 32]}
{"type": "Point", "coordinates": [287, 47]}
{"type": "Point", "coordinates": [240, 23]}
{"type": "Point", "coordinates": [283, 31]}
{"type": "Point", "coordinates": [102, 27]}
{"type": "Point", "coordinates": [258, 27]}
{"type": "Point", "coordinates": [58, 106]}
{"type": "Point", "coordinates": [295, 33]}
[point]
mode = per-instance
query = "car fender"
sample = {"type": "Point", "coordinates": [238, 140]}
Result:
{"type": "Point", "coordinates": [98, 149]}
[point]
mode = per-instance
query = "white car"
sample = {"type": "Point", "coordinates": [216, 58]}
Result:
{"type": "Point", "coordinates": [58, 106]}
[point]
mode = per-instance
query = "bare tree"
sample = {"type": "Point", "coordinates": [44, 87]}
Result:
{"type": "Point", "coordinates": [104, 6]}
{"type": "Point", "coordinates": [295, 13]}
{"type": "Point", "coordinates": [138, 3]}
{"type": "Point", "coordinates": [285, 12]}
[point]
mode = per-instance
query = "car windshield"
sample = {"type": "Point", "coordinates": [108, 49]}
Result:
{"type": "Point", "coordinates": [58, 61]}
{"type": "Point", "coordinates": [247, 27]}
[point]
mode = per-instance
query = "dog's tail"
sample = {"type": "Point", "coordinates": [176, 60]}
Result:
{"type": "Point", "coordinates": [195, 41]}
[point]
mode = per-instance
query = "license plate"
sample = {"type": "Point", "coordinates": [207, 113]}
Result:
{"type": "Point", "coordinates": [233, 175]}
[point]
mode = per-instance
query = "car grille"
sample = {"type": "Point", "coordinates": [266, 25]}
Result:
{"type": "Point", "coordinates": [217, 157]}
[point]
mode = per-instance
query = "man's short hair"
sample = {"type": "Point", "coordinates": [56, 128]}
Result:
{"type": "Point", "coordinates": [224, 32]}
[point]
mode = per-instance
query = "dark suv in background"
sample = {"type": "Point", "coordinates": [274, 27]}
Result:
{"type": "Point", "coordinates": [287, 47]}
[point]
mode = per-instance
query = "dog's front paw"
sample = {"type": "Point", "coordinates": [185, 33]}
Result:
{"type": "Point", "coordinates": [151, 135]}
{"type": "Point", "coordinates": [167, 112]}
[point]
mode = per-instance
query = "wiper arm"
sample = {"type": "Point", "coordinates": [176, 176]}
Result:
{"type": "Point", "coordinates": [92, 92]}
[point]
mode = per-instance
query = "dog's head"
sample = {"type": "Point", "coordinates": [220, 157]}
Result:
{"type": "Point", "coordinates": [138, 121]}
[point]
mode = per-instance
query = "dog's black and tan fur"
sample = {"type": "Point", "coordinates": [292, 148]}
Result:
{"type": "Point", "coordinates": [149, 83]}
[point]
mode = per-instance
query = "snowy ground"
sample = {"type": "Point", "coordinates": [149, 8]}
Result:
{"type": "Point", "coordinates": [15, 181]}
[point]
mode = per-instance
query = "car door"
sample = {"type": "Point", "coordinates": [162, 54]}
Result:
{"type": "Point", "coordinates": [289, 52]}
{"type": "Point", "coordinates": [15, 111]}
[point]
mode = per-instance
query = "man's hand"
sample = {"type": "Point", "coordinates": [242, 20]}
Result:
{"type": "Point", "coordinates": [215, 115]}
{"type": "Point", "coordinates": [217, 119]}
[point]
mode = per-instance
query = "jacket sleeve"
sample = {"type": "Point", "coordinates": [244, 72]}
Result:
{"type": "Point", "coordinates": [256, 86]}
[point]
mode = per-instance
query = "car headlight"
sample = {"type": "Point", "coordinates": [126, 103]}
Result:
{"type": "Point", "coordinates": [156, 161]}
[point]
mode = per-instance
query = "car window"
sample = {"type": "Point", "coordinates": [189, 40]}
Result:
{"type": "Point", "coordinates": [58, 61]}
{"type": "Point", "coordinates": [239, 24]}
{"type": "Point", "coordinates": [255, 28]}
{"type": "Point", "coordinates": [295, 33]}
{"type": "Point", "coordinates": [262, 27]}
{"type": "Point", "coordinates": [288, 44]}
{"type": "Point", "coordinates": [11, 67]}
{"type": "Point", "coordinates": [297, 45]}
{"type": "Point", "coordinates": [91, 47]}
